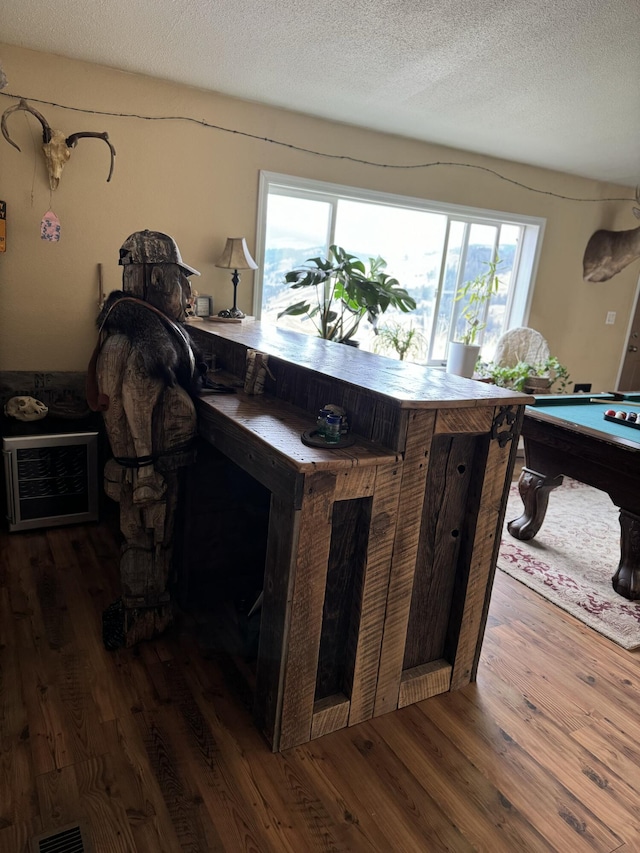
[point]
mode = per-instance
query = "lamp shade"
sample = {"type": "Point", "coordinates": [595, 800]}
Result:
{"type": "Point", "coordinates": [236, 255]}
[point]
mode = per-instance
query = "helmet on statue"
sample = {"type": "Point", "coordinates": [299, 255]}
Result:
{"type": "Point", "coordinates": [153, 270]}
{"type": "Point", "coordinates": [152, 247]}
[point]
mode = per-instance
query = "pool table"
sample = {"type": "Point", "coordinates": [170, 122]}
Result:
{"type": "Point", "coordinates": [568, 435]}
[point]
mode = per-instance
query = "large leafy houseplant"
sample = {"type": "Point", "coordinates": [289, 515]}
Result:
{"type": "Point", "coordinates": [344, 292]}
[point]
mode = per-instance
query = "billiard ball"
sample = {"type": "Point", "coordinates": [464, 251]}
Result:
{"type": "Point", "coordinates": [610, 413]}
{"type": "Point", "coordinates": [621, 416]}
{"type": "Point", "coordinates": [632, 417]}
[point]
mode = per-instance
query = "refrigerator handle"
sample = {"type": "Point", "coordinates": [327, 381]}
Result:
{"type": "Point", "coordinates": [11, 497]}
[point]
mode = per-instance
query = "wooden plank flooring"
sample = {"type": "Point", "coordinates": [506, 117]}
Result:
{"type": "Point", "coordinates": [151, 749]}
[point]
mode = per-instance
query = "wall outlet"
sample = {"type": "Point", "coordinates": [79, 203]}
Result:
{"type": "Point", "coordinates": [611, 318]}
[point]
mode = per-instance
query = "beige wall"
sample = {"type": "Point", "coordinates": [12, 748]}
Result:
{"type": "Point", "coordinates": [200, 185]}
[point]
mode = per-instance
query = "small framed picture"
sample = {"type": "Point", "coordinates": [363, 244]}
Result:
{"type": "Point", "coordinates": [203, 306]}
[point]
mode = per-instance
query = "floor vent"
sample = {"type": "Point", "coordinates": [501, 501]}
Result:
{"type": "Point", "coordinates": [70, 839]}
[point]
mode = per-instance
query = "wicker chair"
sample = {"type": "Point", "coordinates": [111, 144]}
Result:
{"type": "Point", "coordinates": [521, 344]}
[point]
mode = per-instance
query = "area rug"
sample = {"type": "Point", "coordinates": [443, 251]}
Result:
{"type": "Point", "coordinates": [572, 559]}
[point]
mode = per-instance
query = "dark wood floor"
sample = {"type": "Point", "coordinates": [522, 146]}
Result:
{"type": "Point", "coordinates": [152, 751]}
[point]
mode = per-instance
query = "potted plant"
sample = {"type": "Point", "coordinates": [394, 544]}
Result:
{"type": "Point", "coordinates": [476, 293]}
{"type": "Point", "coordinates": [344, 292]}
{"type": "Point", "coordinates": [543, 377]}
{"type": "Point", "coordinates": [549, 376]}
{"type": "Point", "coordinates": [513, 376]}
{"type": "Point", "coordinates": [400, 339]}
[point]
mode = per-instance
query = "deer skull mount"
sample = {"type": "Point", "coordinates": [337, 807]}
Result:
{"type": "Point", "coordinates": [55, 145]}
{"type": "Point", "coordinates": [609, 252]}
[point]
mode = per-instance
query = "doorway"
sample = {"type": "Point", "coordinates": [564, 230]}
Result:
{"type": "Point", "coordinates": [629, 376]}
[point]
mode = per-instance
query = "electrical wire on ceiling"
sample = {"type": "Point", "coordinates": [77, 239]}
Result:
{"type": "Point", "coordinates": [314, 153]}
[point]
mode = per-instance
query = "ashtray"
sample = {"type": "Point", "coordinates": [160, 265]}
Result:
{"type": "Point", "coordinates": [312, 438]}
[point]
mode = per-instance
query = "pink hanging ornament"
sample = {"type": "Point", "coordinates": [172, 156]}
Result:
{"type": "Point", "coordinates": [50, 227]}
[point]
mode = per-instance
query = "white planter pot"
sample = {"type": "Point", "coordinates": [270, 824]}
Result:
{"type": "Point", "coordinates": [462, 358]}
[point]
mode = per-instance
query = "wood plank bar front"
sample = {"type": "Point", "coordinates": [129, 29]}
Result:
{"type": "Point", "coordinates": [390, 544]}
{"type": "Point", "coordinates": [414, 477]}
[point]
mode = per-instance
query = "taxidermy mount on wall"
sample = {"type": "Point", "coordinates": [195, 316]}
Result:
{"type": "Point", "coordinates": [56, 145]}
{"type": "Point", "coordinates": [609, 252]}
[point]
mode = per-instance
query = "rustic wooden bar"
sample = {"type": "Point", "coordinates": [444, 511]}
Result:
{"type": "Point", "coordinates": [379, 557]}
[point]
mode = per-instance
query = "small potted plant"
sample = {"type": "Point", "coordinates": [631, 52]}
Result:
{"type": "Point", "coordinates": [398, 338]}
{"type": "Point", "coordinates": [547, 377]}
{"type": "Point", "coordinates": [475, 294]}
{"type": "Point", "coordinates": [344, 292]}
{"type": "Point", "coordinates": [544, 377]}
{"type": "Point", "coordinates": [504, 376]}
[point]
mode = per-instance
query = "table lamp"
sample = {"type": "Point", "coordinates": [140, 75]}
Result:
{"type": "Point", "coordinates": [235, 256]}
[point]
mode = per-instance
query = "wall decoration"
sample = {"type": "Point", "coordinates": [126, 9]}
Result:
{"type": "Point", "coordinates": [609, 252]}
{"type": "Point", "coordinates": [50, 227]}
{"type": "Point", "coordinates": [56, 146]}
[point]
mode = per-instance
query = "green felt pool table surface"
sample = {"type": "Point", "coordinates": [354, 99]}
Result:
{"type": "Point", "coordinates": [581, 410]}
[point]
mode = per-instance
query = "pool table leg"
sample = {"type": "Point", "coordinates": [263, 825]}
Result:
{"type": "Point", "coordinates": [534, 490]}
{"type": "Point", "coordinates": [626, 580]}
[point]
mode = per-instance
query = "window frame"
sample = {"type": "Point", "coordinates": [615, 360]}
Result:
{"type": "Point", "coordinates": [525, 263]}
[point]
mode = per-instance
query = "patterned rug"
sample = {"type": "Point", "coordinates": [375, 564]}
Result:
{"type": "Point", "coordinates": [572, 559]}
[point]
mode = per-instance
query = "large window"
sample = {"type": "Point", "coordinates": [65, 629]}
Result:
{"type": "Point", "coordinates": [429, 247]}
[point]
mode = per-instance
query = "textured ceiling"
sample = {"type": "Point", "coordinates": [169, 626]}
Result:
{"type": "Point", "coordinates": [553, 83]}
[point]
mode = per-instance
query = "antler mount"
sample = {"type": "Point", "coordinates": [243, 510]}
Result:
{"type": "Point", "coordinates": [56, 146]}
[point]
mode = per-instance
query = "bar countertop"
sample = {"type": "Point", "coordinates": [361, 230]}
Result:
{"type": "Point", "coordinates": [409, 385]}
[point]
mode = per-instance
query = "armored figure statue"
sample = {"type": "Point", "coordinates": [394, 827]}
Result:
{"type": "Point", "coordinates": [145, 374]}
